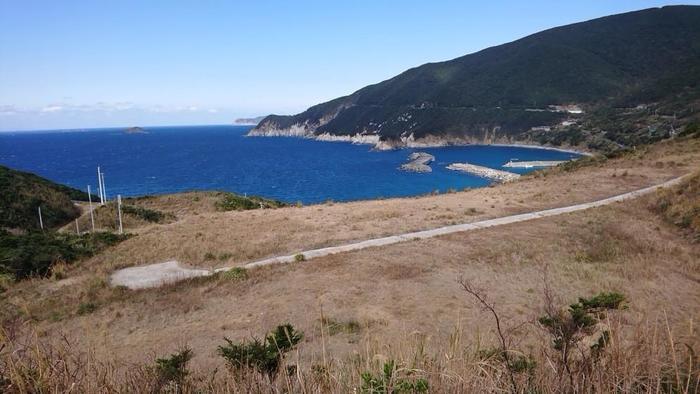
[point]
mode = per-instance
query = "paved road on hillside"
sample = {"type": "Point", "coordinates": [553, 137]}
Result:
{"type": "Point", "coordinates": [171, 271]}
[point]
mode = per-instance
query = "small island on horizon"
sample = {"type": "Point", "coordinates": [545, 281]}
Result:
{"type": "Point", "coordinates": [135, 130]}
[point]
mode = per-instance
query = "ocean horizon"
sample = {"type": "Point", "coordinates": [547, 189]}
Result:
{"type": "Point", "coordinates": [171, 159]}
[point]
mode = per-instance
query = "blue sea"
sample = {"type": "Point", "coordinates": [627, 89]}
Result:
{"type": "Point", "coordinates": [174, 159]}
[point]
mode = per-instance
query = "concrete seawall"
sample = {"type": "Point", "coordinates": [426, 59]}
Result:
{"type": "Point", "coordinates": [484, 172]}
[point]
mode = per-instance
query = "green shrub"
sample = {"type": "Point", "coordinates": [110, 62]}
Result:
{"type": "Point", "coordinates": [236, 202]}
{"type": "Point", "coordinates": [299, 257]}
{"type": "Point", "coordinates": [173, 369]}
{"type": "Point", "coordinates": [568, 329]}
{"type": "Point", "coordinates": [691, 129]}
{"type": "Point", "coordinates": [390, 382]}
{"type": "Point", "coordinates": [149, 215]}
{"type": "Point", "coordinates": [262, 356]}
{"type": "Point", "coordinates": [235, 274]}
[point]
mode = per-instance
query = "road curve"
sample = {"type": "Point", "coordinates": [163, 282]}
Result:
{"type": "Point", "coordinates": [149, 276]}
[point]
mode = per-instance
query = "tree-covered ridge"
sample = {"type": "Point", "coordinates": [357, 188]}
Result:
{"type": "Point", "coordinates": [649, 57]}
{"type": "Point", "coordinates": [21, 193]}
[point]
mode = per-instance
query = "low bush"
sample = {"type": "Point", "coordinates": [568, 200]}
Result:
{"type": "Point", "coordinates": [236, 202]}
{"type": "Point", "coordinates": [235, 274]}
{"type": "Point", "coordinates": [264, 356]}
{"type": "Point", "coordinates": [173, 369]}
{"type": "Point", "coordinates": [576, 337]}
{"type": "Point", "coordinates": [149, 215]}
{"type": "Point", "coordinates": [392, 381]}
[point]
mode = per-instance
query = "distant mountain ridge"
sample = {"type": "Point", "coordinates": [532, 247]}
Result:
{"type": "Point", "coordinates": [644, 66]}
{"type": "Point", "coordinates": [249, 121]}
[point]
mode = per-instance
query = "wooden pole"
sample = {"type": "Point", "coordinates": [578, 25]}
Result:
{"type": "Point", "coordinates": [92, 217]}
{"type": "Point", "coordinates": [77, 228]}
{"type": "Point", "coordinates": [119, 209]}
{"type": "Point", "coordinates": [41, 221]}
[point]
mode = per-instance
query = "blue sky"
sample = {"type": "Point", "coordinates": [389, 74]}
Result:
{"type": "Point", "coordinates": [79, 64]}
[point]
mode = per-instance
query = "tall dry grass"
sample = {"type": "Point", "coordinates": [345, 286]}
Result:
{"type": "Point", "coordinates": [644, 357]}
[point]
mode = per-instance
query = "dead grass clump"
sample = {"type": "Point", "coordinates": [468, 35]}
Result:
{"type": "Point", "coordinates": [334, 326]}
{"type": "Point", "coordinates": [398, 271]}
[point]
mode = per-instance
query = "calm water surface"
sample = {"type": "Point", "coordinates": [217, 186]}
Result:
{"type": "Point", "coordinates": [173, 159]}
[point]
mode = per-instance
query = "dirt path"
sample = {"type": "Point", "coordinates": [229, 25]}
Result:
{"type": "Point", "coordinates": [157, 274]}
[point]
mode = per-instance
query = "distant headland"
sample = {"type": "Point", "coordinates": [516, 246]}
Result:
{"type": "Point", "coordinates": [249, 121]}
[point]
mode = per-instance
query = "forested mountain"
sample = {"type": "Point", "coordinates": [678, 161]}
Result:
{"type": "Point", "coordinates": [613, 81]}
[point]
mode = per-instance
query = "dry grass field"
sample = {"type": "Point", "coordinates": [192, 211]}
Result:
{"type": "Point", "coordinates": [402, 302]}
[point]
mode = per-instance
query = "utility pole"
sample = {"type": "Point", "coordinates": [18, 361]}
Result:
{"type": "Point", "coordinates": [119, 210]}
{"type": "Point", "coordinates": [41, 222]}
{"type": "Point", "coordinates": [104, 189]}
{"type": "Point", "coordinates": [99, 185]}
{"type": "Point", "coordinates": [92, 218]}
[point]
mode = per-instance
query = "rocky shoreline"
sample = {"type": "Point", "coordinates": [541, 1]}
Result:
{"type": "Point", "coordinates": [301, 131]}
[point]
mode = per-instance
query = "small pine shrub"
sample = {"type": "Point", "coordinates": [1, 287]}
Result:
{"type": "Point", "coordinates": [299, 257]}
{"type": "Point", "coordinates": [568, 329]}
{"type": "Point", "coordinates": [173, 369]}
{"type": "Point", "coordinates": [263, 356]}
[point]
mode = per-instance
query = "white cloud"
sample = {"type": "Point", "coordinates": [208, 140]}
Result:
{"type": "Point", "coordinates": [52, 108]}
{"type": "Point", "coordinates": [9, 110]}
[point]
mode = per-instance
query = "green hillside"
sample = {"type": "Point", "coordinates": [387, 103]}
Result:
{"type": "Point", "coordinates": [642, 65]}
{"type": "Point", "coordinates": [21, 193]}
